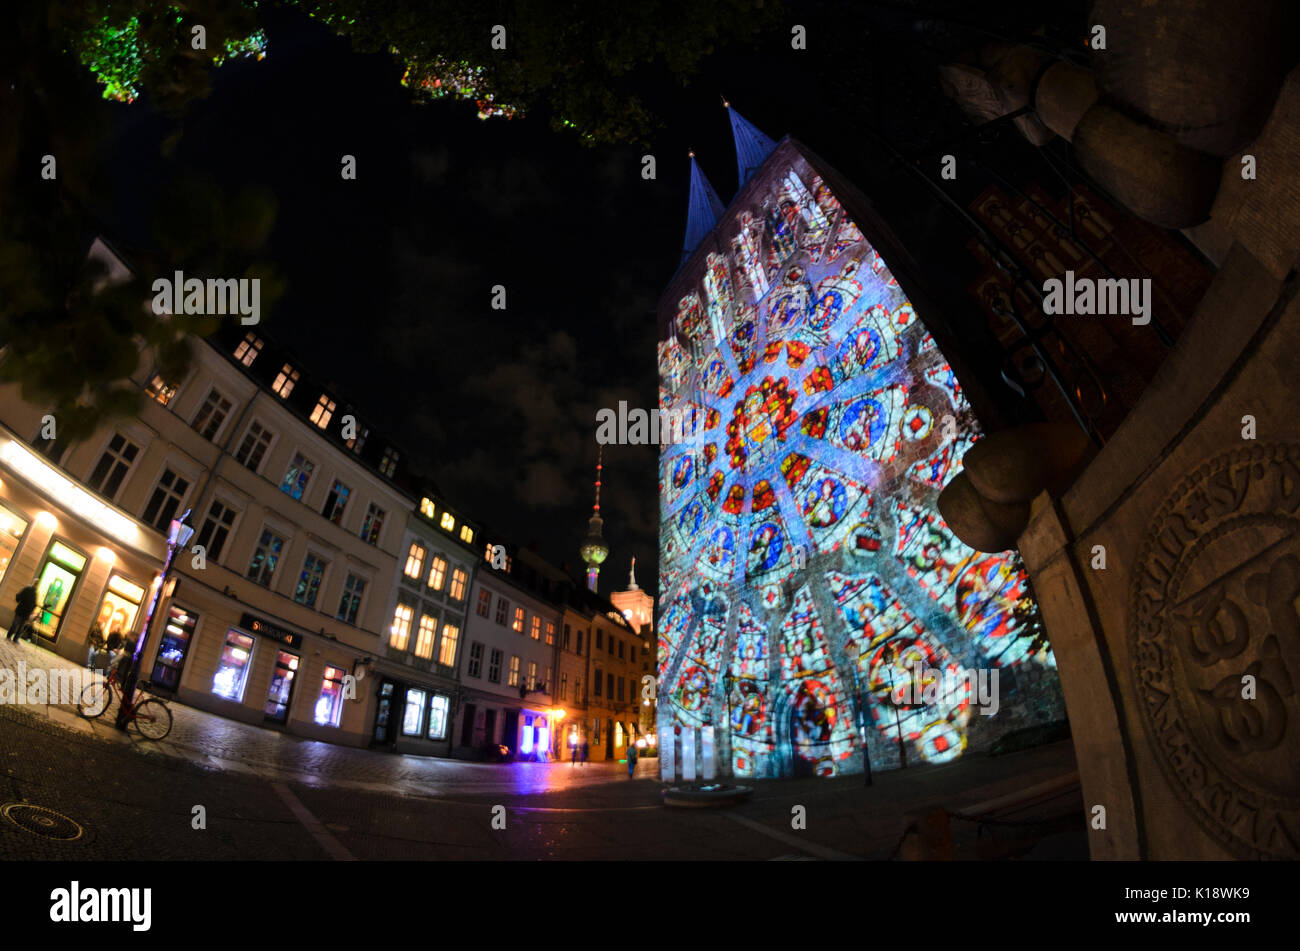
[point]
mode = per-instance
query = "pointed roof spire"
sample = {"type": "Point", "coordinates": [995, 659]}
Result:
{"type": "Point", "coordinates": [752, 146]}
{"type": "Point", "coordinates": [703, 210]}
{"type": "Point", "coordinates": [631, 576]}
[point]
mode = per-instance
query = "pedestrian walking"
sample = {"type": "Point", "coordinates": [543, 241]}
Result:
{"type": "Point", "coordinates": [24, 605]}
{"type": "Point", "coordinates": [114, 647]}
{"type": "Point", "coordinates": [95, 644]}
{"type": "Point", "coordinates": [585, 751]}
{"type": "Point", "coordinates": [573, 753]}
{"type": "Point", "coordinates": [631, 760]}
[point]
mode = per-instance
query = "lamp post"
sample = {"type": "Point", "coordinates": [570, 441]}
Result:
{"type": "Point", "coordinates": [854, 654]}
{"type": "Point", "coordinates": [727, 680]}
{"type": "Point", "coordinates": [179, 534]}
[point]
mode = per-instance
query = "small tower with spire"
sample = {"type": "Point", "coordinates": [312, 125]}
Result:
{"type": "Point", "coordinates": [594, 550]}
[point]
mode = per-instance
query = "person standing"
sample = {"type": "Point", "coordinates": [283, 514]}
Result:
{"type": "Point", "coordinates": [573, 752]}
{"type": "Point", "coordinates": [585, 751]}
{"type": "Point", "coordinates": [631, 760]}
{"type": "Point", "coordinates": [114, 646]}
{"type": "Point", "coordinates": [24, 605]}
{"type": "Point", "coordinates": [94, 644]}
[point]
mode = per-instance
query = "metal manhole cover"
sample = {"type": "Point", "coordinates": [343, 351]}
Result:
{"type": "Point", "coordinates": [41, 821]}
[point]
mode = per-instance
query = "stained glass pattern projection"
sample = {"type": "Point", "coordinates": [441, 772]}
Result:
{"type": "Point", "coordinates": [806, 574]}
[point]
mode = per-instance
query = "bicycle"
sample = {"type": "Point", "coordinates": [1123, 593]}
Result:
{"type": "Point", "coordinates": [151, 716]}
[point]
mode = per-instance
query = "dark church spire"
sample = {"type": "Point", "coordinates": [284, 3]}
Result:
{"type": "Point", "coordinates": [703, 210]}
{"type": "Point", "coordinates": [752, 146]}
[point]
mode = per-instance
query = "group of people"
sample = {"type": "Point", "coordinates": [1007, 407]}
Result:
{"type": "Point", "coordinates": [105, 649]}
{"type": "Point", "coordinates": [578, 754]}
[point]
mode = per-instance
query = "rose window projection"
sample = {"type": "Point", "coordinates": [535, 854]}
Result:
{"type": "Point", "coordinates": [804, 567]}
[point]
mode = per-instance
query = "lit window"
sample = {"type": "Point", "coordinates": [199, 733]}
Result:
{"type": "Point", "coordinates": [426, 508]}
{"type": "Point", "coordinates": [373, 525]}
{"type": "Point", "coordinates": [458, 580]}
{"type": "Point", "coordinates": [535, 630]}
{"type": "Point", "coordinates": [424, 638]}
{"type": "Point", "coordinates": [484, 602]}
{"type": "Point", "coordinates": [400, 632]}
{"type": "Point", "coordinates": [415, 561]}
{"type": "Point", "coordinates": [336, 502]}
{"type": "Point", "coordinates": [262, 566]}
{"type": "Point", "coordinates": [256, 441]}
{"type": "Point", "coordinates": [550, 632]}
{"type": "Point", "coordinates": [532, 675]}
{"type": "Point", "coordinates": [323, 412]}
{"type": "Point", "coordinates": [448, 521]}
{"type": "Point", "coordinates": [467, 534]}
{"type": "Point", "coordinates": [518, 623]}
{"type": "Point", "coordinates": [447, 646]}
{"type": "Point", "coordinates": [329, 707]}
{"type": "Point", "coordinates": [438, 708]}
{"type": "Point", "coordinates": [437, 573]}
{"type": "Point", "coordinates": [564, 686]}
{"type": "Point", "coordinates": [388, 465]}
{"type": "Point", "coordinates": [514, 672]}
{"type": "Point", "coordinates": [297, 476]}
{"type": "Point", "coordinates": [284, 381]}
{"type": "Point", "coordinates": [160, 390]}
{"type": "Point", "coordinates": [248, 349]}
{"type": "Point", "coordinates": [232, 669]}
{"type": "Point", "coordinates": [350, 603]}
{"type": "Point", "coordinates": [413, 719]}
{"type": "Point", "coordinates": [313, 570]}
{"type": "Point", "coordinates": [356, 442]}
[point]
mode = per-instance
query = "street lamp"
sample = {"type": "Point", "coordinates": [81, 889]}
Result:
{"type": "Point", "coordinates": [179, 534]}
{"type": "Point", "coordinates": [727, 680]}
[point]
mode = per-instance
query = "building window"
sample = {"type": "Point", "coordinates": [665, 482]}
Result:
{"type": "Point", "coordinates": [248, 349]}
{"type": "Point", "coordinates": [350, 603]}
{"type": "Point", "coordinates": [166, 500]}
{"type": "Point", "coordinates": [313, 570]}
{"type": "Point", "coordinates": [216, 529]}
{"type": "Point", "coordinates": [532, 675]}
{"type": "Point", "coordinates": [597, 682]}
{"type": "Point", "coordinates": [502, 607]}
{"type": "Point", "coordinates": [265, 557]}
{"type": "Point", "coordinates": [400, 632]}
{"type": "Point", "coordinates": [484, 602]}
{"type": "Point", "coordinates": [475, 660]}
{"type": "Point", "coordinates": [600, 639]}
{"type": "Point", "coordinates": [358, 440]}
{"type": "Point", "coordinates": [620, 689]}
{"type": "Point", "coordinates": [329, 708]}
{"type": "Point", "coordinates": [568, 633]}
{"type": "Point", "coordinates": [253, 448]}
{"type": "Point", "coordinates": [415, 561]}
{"type": "Point", "coordinates": [550, 633]}
{"type": "Point", "coordinates": [232, 669]}
{"type": "Point", "coordinates": [609, 693]}
{"type": "Point", "coordinates": [323, 411]}
{"type": "Point", "coordinates": [113, 466]}
{"type": "Point", "coordinates": [437, 573]}
{"type": "Point", "coordinates": [284, 381]}
{"type": "Point", "coordinates": [447, 646]}
{"type": "Point", "coordinates": [514, 671]}
{"type": "Point", "coordinates": [535, 629]}
{"type": "Point", "coordinates": [577, 690]}
{"type": "Point", "coordinates": [159, 390]}
{"type": "Point", "coordinates": [336, 502]}
{"type": "Point", "coordinates": [580, 643]}
{"type": "Point", "coordinates": [518, 623]}
{"type": "Point", "coordinates": [413, 719]}
{"type": "Point", "coordinates": [388, 465]}
{"type": "Point", "coordinates": [494, 666]}
{"type": "Point", "coordinates": [297, 476]}
{"type": "Point", "coordinates": [424, 638]}
{"type": "Point", "coordinates": [458, 582]}
{"type": "Point", "coordinates": [467, 534]}
{"type": "Point", "coordinates": [438, 708]}
{"type": "Point", "coordinates": [208, 420]}
{"type": "Point", "coordinates": [426, 508]}
{"type": "Point", "coordinates": [620, 650]}
{"type": "Point", "coordinates": [448, 521]}
{"type": "Point", "coordinates": [564, 686]}
{"type": "Point", "coordinates": [373, 524]}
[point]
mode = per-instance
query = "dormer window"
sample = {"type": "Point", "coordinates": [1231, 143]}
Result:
{"type": "Point", "coordinates": [284, 381]}
{"type": "Point", "coordinates": [323, 412]}
{"type": "Point", "coordinates": [389, 463]}
{"type": "Point", "coordinates": [248, 349]}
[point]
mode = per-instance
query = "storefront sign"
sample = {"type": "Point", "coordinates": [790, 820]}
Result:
{"type": "Point", "coordinates": [265, 628]}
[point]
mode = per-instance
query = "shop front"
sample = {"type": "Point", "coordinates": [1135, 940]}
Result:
{"type": "Point", "coordinates": [412, 717]}
{"type": "Point", "coordinates": [92, 565]}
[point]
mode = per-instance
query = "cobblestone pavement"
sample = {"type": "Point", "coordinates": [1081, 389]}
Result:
{"type": "Point", "coordinates": [266, 795]}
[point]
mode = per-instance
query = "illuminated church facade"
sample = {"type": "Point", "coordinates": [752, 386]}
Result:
{"type": "Point", "coordinates": [811, 597]}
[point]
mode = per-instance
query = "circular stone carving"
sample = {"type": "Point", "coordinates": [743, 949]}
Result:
{"type": "Point", "coordinates": [41, 821]}
{"type": "Point", "coordinates": [1214, 638]}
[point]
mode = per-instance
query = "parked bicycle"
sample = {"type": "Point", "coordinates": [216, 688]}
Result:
{"type": "Point", "coordinates": [151, 716]}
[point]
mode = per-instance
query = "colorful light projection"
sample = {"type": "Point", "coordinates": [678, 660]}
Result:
{"type": "Point", "coordinates": [803, 561]}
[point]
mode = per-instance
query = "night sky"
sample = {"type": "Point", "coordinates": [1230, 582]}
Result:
{"type": "Point", "coordinates": [390, 276]}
